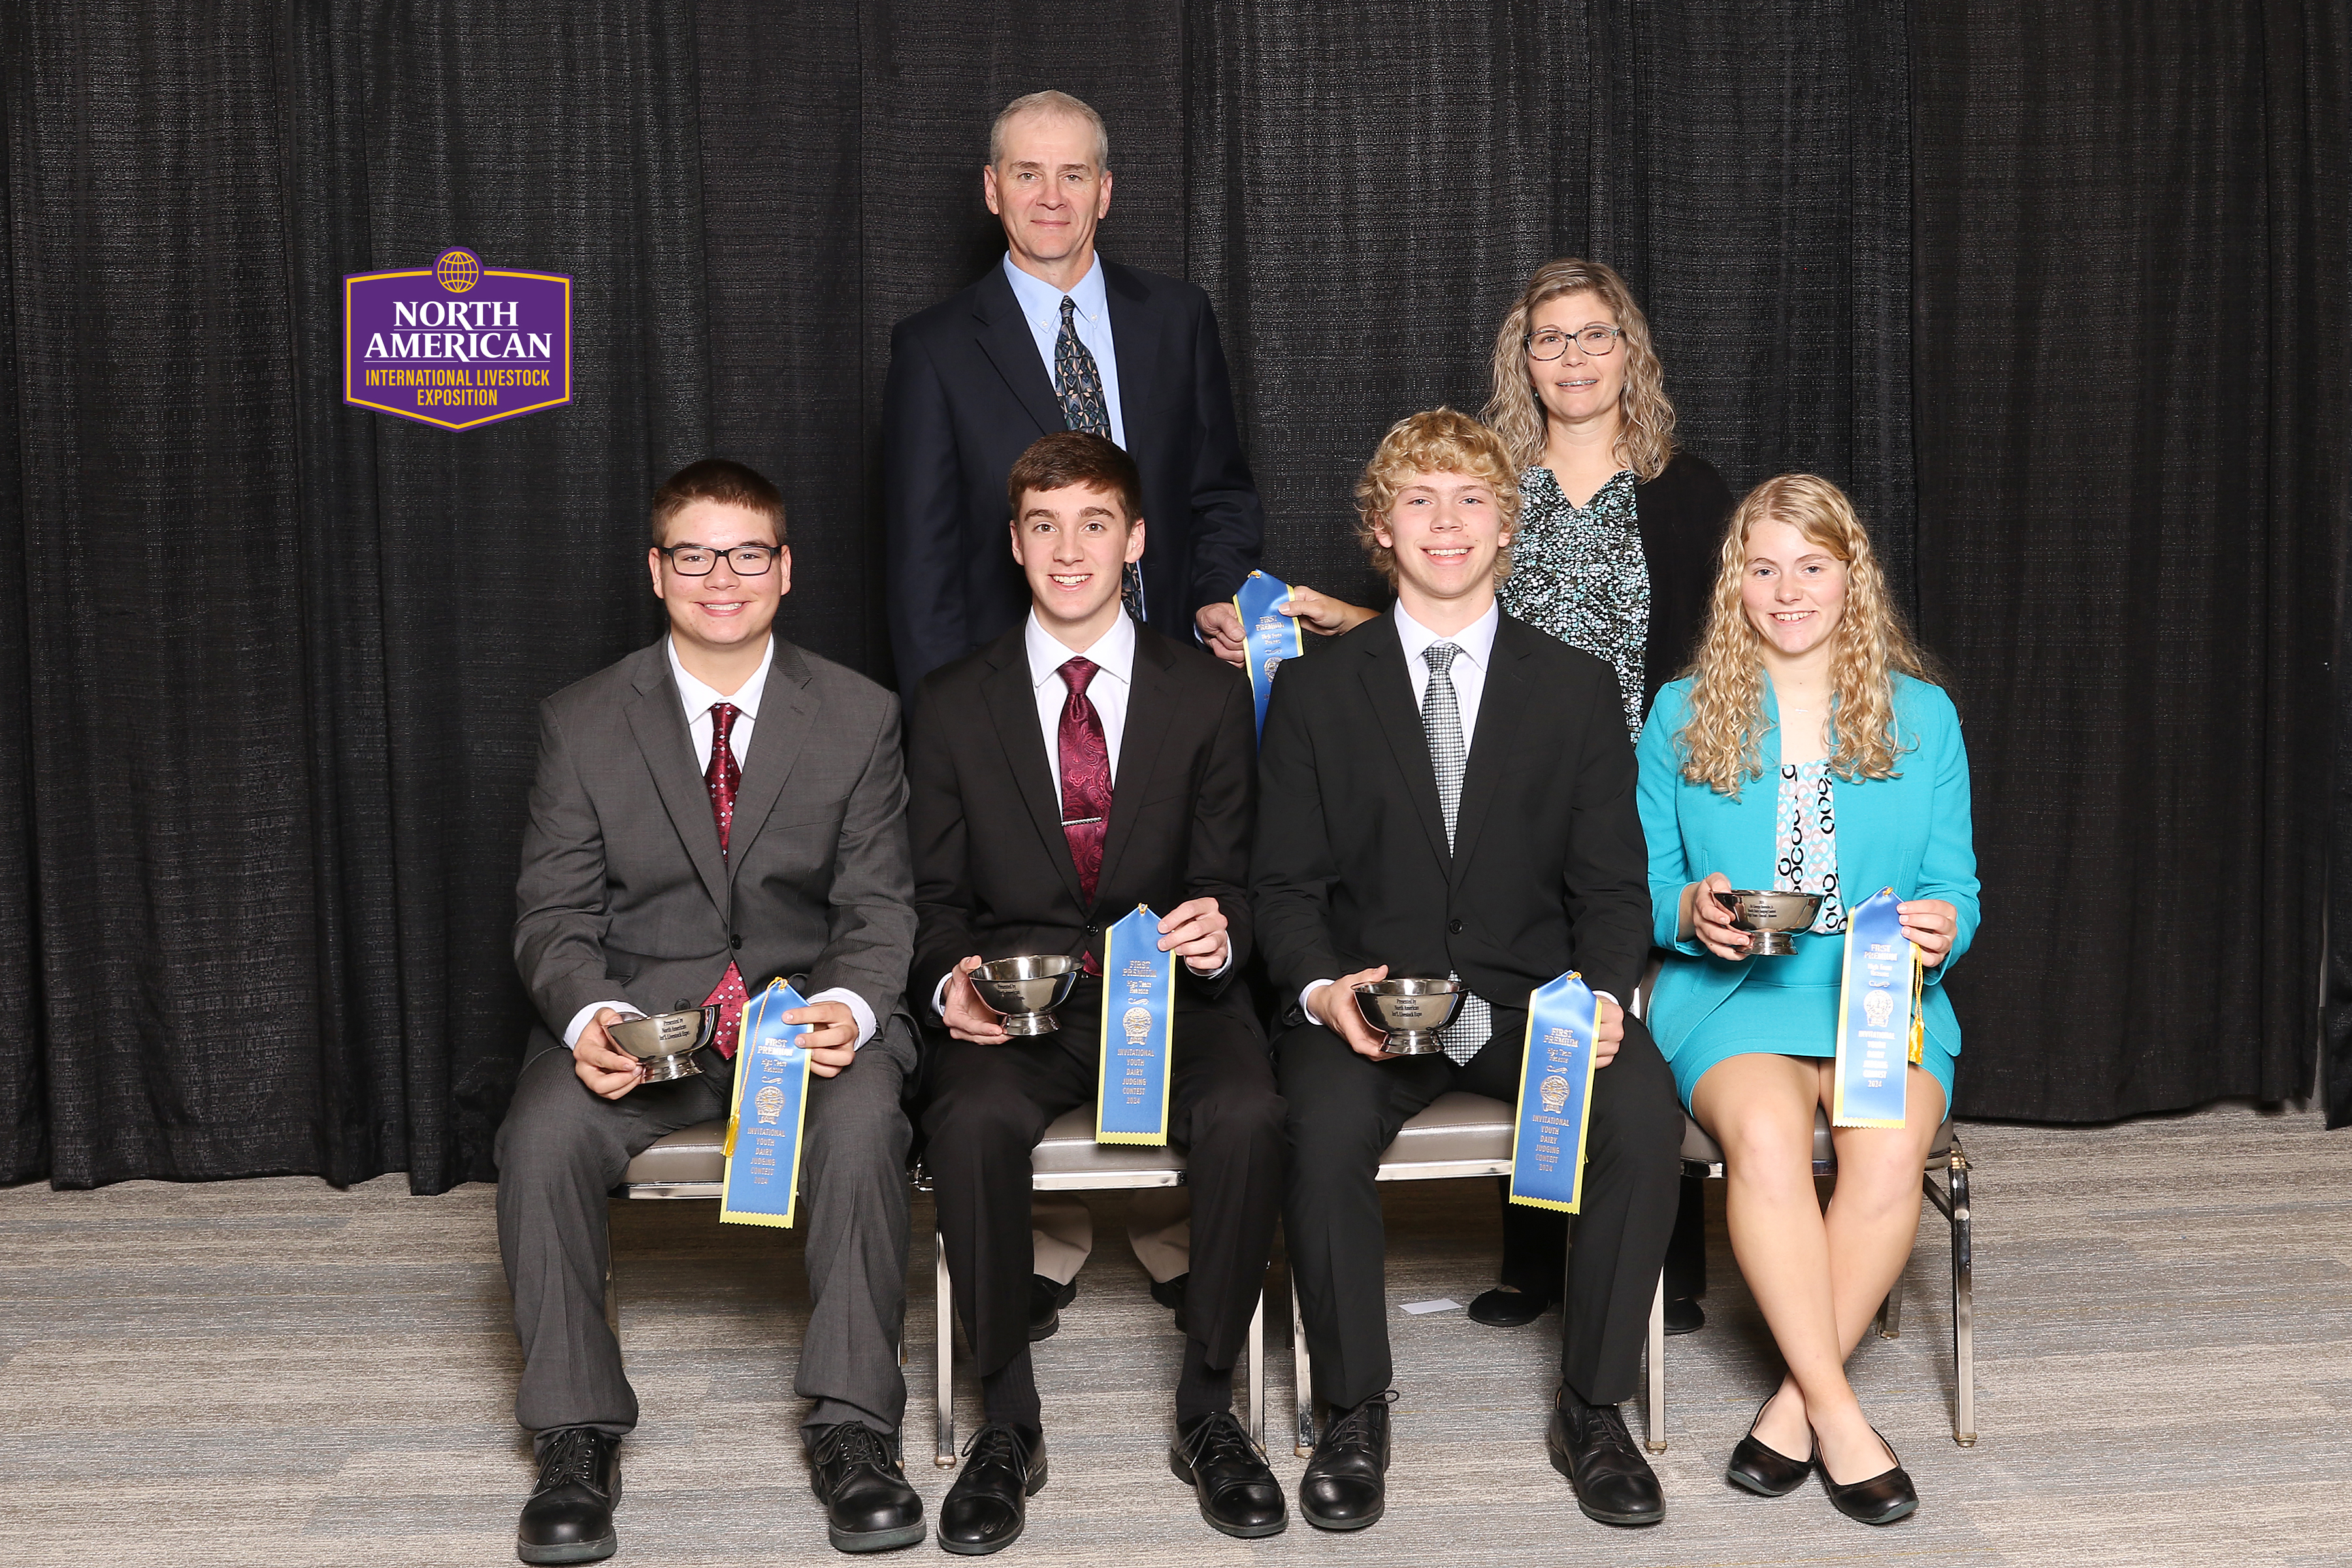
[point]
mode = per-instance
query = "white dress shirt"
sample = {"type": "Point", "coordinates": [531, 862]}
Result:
{"type": "Point", "coordinates": [1041, 307]}
{"type": "Point", "coordinates": [698, 699]}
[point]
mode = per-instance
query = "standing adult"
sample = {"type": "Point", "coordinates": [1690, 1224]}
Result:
{"type": "Point", "coordinates": [1058, 337]}
{"type": "Point", "coordinates": [713, 810]}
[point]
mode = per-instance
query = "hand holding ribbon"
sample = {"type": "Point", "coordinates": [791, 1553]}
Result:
{"type": "Point", "coordinates": [1195, 931]}
{"type": "Point", "coordinates": [1932, 925]}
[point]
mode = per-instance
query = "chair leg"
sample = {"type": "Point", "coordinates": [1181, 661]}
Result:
{"type": "Point", "coordinates": [1257, 1372]}
{"type": "Point", "coordinates": [1302, 1380]}
{"type": "Point", "coordinates": [943, 1446]}
{"type": "Point", "coordinates": [1890, 1311]}
{"type": "Point", "coordinates": [1657, 1359]}
{"type": "Point", "coordinates": [1964, 1343]}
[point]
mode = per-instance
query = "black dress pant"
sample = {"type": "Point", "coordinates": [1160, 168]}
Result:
{"type": "Point", "coordinates": [987, 1106]}
{"type": "Point", "coordinates": [1344, 1111]}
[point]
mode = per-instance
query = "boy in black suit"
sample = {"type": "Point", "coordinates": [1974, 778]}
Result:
{"type": "Point", "coordinates": [1446, 792]}
{"type": "Point", "coordinates": [1077, 766]}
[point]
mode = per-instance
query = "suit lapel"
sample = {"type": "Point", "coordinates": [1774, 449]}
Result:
{"type": "Point", "coordinates": [658, 719]}
{"type": "Point", "coordinates": [1390, 687]}
{"type": "Point", "coordinates": [1149, 704]}
{"type": "Point", "coordinates": [787, 714]}
{"type": "Point", "coordinates": [1012, 709]}
{"type": "Point", "coordinates": [1005, 339]}
{"type": "Point", "coordinates": [1502, 715]}
{"type": "Point", "coordinates": [1135, 341]}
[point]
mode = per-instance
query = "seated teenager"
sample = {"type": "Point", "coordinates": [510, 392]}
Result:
{"type": "Point", "coordinates": [1074, 768]}
{"type": "Point", "coordinates": [1805, 752]}
{"type": "Point", "coordinates": [1446, 791]}
{"type": "Point", "coordinates": [712, 811]}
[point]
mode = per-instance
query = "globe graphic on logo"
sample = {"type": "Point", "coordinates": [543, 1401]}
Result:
{"type": "Point", "coordinates": [457, 270]}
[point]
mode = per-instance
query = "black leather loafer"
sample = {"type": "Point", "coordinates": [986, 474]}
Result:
{"type": "Point", "coordinates": [1169, 1293]}
{"type": "Point", "coordinates": [1504, 1308]}
{"type": "Point", "coordinates": [1762, 1468]}
{"type": "Point", "coordinates": [987, 1508]}
{"type": "Point", "coordinates": [1046, 1299]}
{"type": "Point", "coordinates": [1685, 1316]}
{"type": "Point", "coordinates": [569, 1518]}
{"type": "Point", "coordinates": [1591, 1446]}
{"type": "Point", "coordinates": [1881, 1500]}
{"type": "Point", "coordinates": [1346, 1483]}
{"type": "Point", "coordinates": [868, 1506]}
{"type": "Point", "coordinates": [1229, 1475]}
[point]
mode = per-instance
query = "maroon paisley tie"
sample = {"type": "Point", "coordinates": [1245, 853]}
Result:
{"type": "Point", "coordinates": [1086, 781]}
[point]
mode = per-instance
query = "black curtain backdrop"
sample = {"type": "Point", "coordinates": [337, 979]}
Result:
{"type": "Point", "coordinates": [267, 663]}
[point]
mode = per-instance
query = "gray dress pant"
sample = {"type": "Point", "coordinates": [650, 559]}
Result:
{"type": "Point", "coordinates": [561, 1151]}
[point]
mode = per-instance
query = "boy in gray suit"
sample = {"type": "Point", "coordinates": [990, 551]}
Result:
{"type": "Point", "coordinates": [712, 811]}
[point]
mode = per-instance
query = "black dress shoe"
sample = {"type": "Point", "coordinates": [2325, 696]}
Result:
{"type": "Point", "coordinates": [1685, 1316]}
{"type": "Point", "coordinates": [1046, 1299]}
{"type": "Point", "coordinates": [1507, 1308]}
{"type": "Point", "coordinates": [1881, 1500]}
{"type": "Point", "coordinates": [1762, 1469]}
{"type": "Point", "coordinates": [1346, 1483]}
{"type": "Point", "coordinates": [868, 1506]}
{"type": "Point", "coordinates": [1228, 1473]}
{"type": "Point", "coordinates": [987, 1508]}
{"type": "Point", "coordinates": [1169, 1293]}
{"type": "Point", "coordinates": [1591, 1446]}
{"type": "Point", "coordinates": [569, 1518]}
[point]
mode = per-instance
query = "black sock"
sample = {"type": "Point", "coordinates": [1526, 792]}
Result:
{"type": "Point", "coordinates": [1201, 1389]}
{"type": "Point", "coordinates": [1009, 1394]}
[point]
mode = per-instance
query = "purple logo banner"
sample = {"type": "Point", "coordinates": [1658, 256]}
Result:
{"type": "Point", "coordinates": [456, 344]}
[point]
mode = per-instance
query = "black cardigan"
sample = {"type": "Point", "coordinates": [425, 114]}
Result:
{"type": "Point", "coordinates": [1682, 513]}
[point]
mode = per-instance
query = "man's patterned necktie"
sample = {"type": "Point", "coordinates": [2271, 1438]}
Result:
{"type": "Point", "coordinates": [1085, 782]}
{"type": "Point", "coordinates": [1441, 723]}
{"type": "Point", "coordinates": [723, 777]}
{"type": "Point", "coordinates": [1084, 407]}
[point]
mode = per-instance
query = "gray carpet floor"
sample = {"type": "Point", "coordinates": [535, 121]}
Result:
{"type": "Point", "coordinates": [278, 1373]}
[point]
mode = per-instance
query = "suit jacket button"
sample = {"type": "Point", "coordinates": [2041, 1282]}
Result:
{"type": "Point", "coordinates": [735, 941]}
{"type": "Point", "coordinates": [1454, 928]}
{"type": "Point", "coordinates": [1095, 930]}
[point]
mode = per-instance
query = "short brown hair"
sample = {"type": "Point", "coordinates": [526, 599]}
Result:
{"type": "Point", "coordinates": [1435, 441]}
{"type": "Point", "coordinates": [1069, 457]}
{"type": "Point", "coordinates": [721, 480]}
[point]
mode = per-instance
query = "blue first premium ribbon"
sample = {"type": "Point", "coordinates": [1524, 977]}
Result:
{"type": "Point", "coordinates": [1139, 1030]}
{"type": "Point", "coordinates": [1555, 1097]}
{"type": "Point", "coordinates": [764, 1128]}
{"type": "Point", "coordinates": [1877, 999]}
{"type": "Point", "coordinates": [1268, 636]}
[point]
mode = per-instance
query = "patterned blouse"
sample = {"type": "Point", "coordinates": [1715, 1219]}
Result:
{"type": "Point", "coordinates": [1806, 827]}
{"type": "Point", "coordinates": [1577, 573]}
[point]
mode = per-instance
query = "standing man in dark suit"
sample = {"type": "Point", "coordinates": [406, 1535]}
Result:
{"type": "Point", "coordinates": [1078, 767]}
{"type": "Point", "coordinates": [1444, 790]}
{"type": "Point", "coordinates": [1059, 338]}
{"type": "Point", "coordinates": [711, 812]}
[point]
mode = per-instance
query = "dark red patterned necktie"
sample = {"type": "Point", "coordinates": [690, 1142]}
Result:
{"type": "Point", "coordinates": [723, 777]}
{"type": "Point", "coordinates": [1086, 781]}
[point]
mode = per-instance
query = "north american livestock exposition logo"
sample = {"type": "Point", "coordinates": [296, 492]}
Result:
{"type": "Point", "coordinates": [456, 344]}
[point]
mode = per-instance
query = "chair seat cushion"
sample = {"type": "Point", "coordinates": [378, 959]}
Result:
{"type": "Point", "coordinates": [696, 1153]}
{"type": "Point", "coordinates": [1700, 1149]}
{"type": "Point", "coordinates": [1454, 1128]}
{"type": "Point", "coordinates": [1069, 1149]}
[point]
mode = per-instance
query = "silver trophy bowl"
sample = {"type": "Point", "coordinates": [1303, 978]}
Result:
{"type": "Point", "coordinates": [1771, 918]}
{"type": "Point", "coordinates": [1026, 990]}
{"type": "Point", "coordinates": [1410, 1012]}
{"type": "Point", "coordinates": [664, 1044]}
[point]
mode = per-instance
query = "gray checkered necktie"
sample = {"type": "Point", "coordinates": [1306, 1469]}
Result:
{"type": "Point", "coordinates": [1078, 381]}
{"type": "Point", "coordinates": [1441, 721]}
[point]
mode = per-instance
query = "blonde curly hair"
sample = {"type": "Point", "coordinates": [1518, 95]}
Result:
{"type": "Point", "coordinates": [1645, 437]}
{"type": "Point", "coordinates": [1434, 441]}
{"type": "Point", "coordinates": [1722, 739]}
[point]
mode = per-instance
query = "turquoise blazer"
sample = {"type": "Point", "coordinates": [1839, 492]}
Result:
{"type": "Point", "coordinates": [1911, 833]}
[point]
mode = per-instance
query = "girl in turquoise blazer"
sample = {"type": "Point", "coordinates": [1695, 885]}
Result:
{"type": "Point", "coordinates": [1805, 752]}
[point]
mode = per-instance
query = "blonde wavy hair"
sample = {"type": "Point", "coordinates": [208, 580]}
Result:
{"type": "Point", "coordinates": [1722, 741]}
{"type": "Point", "coordinates": [1645, 437]}
{"type": "Point", "coordinates": [1434, 441]}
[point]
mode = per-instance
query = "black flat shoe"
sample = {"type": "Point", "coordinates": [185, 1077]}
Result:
{"type": "Point", "coordinates": [1504, 1307]}
{"type": "Point", "coordinates": [868, 1506]}
{"type": "Point", "coordinates": [1346, 1483]}
{"type": "Point", "coordinates": [1169, 1293]}
{"type": "Point", "coordinates": [1046, 1299]}
{"type": "Point", "coordinates": [1229, 1475]}
{"type": "Point", "coordinates": [569, 1518]}
{"type": "Point", "coordinates": [1591, 1446]}
{"type": "Point", "coordinates": [1760, 1467]}
{"type": "Point", "coordinates": [1685, 1316]}
{"type": "Point", "coordinates": [987, 1508]}
{"type": "Point", "coordinates": [1881, 1500]}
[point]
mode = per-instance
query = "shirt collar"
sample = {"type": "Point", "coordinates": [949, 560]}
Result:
{"type": "Point", "coordinates": [1114, 651]}
{"type": "Point", "coordinates": [699, 698]}
{"type": "Point", "coordinates": [1041, 302]}
{"type": "Point", "coordinates": [1476, 640]}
